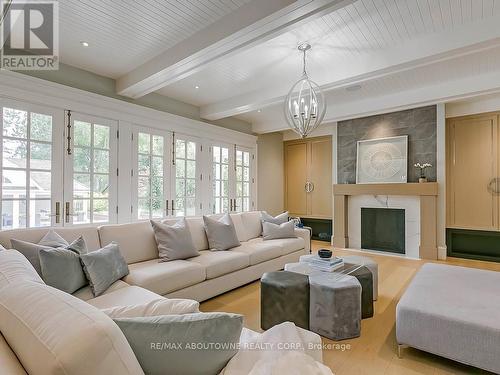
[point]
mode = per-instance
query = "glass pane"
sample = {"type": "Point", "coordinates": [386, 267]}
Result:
{"type": "Point", "coordinates": [191, 150]}
{"type": "Point", "coordinates": [180, 149]}
{"type": "Point", "coordinates": [225, 188]}
{"type": "Point", "coordinates": [14, 184]}
{"type": "Point", "coordinates": [101, 211]}
{"type": "Point", "coordinates": [190, 169]}
{"type": "Point", "coordinates": [180, 185]}
{"type": "Point", "coordinates": [81, 185]}
{"type": "Point", "coordinates": [239, 174]}
{"type": "Point", "coordinates": [225, 172]}
{"type": "Point", "coordinates": [81, 160]}
{"type": "Point", "coordinates": [158, 145]}
{"type": "Point", "coordinates": [157, 187]}
{"type": "Point", "coordinates": [246, 204]}
{"type": "Point", "coordinates": [157, 208]}
{"type": "Point", "coordinates": [143, 143]}
{"type": "Point", "coordinates": [40, 213]}
{"type": "Point", "coordinates": [179, 207]}
{"type": "Point", "coordinates": [239, 189]}
{"type": "Point", "coordinates": [15, 123]}
{"type": "Point", "coordinates": [101, 161]}
{"type": "Point", "coordinates": [101, 186]}
{"type": "Point", "coordinates": [217, 171]}
{"type": "Point", "coordinates": [13, 214]}
{"type": "Point", "coordinates": [14, 153]}
{"type": "Point", "coordinates": [143, 187]}
{"type": "Point", "coordinates": [190, 188]}
{"type": "Point", "coordinates": [143, 162]}
{"type": "Point", "coordinates": [190, 207]}
{"type": "Point", "coordinates": [216, 152]}
{"type": "Point", "coordinates": [246, 189]}
{"type": "Point", "coordinates": [143, 209]}
{"type": "Point", "coordinates": [217, 205]}
{"type": "Point", "coordinates": [246, 159]}
{"type": "Point", "coordinates": [239, 204]}
{"type": "Point", "coordinates": [41, 127]}
{"type": "Point", "coordinates": [40, 156]}
{"type": "Point", "coordinates": [81, 211]}
{"type": "Point", "coordinates": [101, 136]}
{"type": "Point", "coordinates": [225, 155]}
{"type": "Point", "coordinates": [180, 168]}
{"type": "Point", "coordinates": [157, 166]}
{"type": "Point", "coordinates": [217, 188]}
{"type": "Point", "coordinates": [81, 133]}
{"type": "Point", "coordinates": [246, 174]}
{"type": "Point", "coordinates": [225, 204]}
{"type": "Point", "coordinates": [239, 158]}
{"type": "Point", "coordinates": [40, 183]}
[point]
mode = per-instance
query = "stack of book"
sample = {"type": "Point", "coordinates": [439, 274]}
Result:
{"type": "Point", "coordinates": [326, 265]}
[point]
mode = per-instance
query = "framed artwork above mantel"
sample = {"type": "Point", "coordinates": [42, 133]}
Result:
{"type": "Point", "coordinates": [382, 160]}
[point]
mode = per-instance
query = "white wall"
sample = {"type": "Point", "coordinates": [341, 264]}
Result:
{"type": "Point", "coordinates": [479, 104]}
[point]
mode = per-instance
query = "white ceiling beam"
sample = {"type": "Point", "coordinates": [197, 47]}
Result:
{"type": "Point", "coordinates": [252, 23]}
{"type": "Point", "coordinates": [443, 92]}
{"type": "Point", "coordinates": [422, 51]}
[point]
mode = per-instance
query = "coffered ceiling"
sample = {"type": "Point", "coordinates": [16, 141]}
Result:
{"type": "Point", "coordinates": [239, 58]}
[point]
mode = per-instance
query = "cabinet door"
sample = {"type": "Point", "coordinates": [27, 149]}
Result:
{"type": "Point", "coordinates": [320, 197]}
{"type": "Point", "coordinates": [472, 162]}
{"type": "Point", "coordinates": [296, 157]}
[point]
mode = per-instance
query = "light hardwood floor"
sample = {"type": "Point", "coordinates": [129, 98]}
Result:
{"type": "Point", "coordinates": [375, 352]}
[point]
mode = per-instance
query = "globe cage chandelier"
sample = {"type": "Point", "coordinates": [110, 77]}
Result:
{"type": "Point", "coordinates": [305, 105]}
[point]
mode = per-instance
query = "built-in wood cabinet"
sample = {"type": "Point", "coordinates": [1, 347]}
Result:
{"type": "Point", "coordinates": [472, 168]}
{"type": "Point", "coordinates": [308, 177]}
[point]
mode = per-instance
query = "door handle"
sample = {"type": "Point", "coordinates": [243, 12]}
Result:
{"type": "Point", "coordinates": [58, 212]}
{"type": "Point", "coordinates": [67, 211]}
{"type": "Point", "coordinates": [166, 207]}
{"type": "Point", "coordinates": [231, 205]}
{"type": "Point", "coordinates": [173, 208]}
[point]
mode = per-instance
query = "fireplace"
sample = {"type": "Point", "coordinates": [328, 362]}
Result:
{"type": "Point", "coordinates": [383, 229]}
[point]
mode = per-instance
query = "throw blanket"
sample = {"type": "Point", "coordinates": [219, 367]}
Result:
{"type": "Point", "coordinates": [282, 349]}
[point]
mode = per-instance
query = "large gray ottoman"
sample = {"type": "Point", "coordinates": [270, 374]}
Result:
{"type": "Point", "coordinates": [284, 297]}
{"type": "Point", "coordinates": [368, 263]}
{"type": "Point", "coordinates": [453, 312]}
{"type": "Point", "coordinates": [335, 307]}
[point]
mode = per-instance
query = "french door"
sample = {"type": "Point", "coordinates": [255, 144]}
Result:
{"type": "Point", "coordinates": [232, 178]}
{"type": "Point", "coordinates": [90, 170]}
{"type": "Point", "coordinates": [31, 165]}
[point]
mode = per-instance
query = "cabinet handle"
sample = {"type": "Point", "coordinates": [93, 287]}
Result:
{"type": "Point", "coordinates": [309, 186]}
{"type": "Point", "coordinates": [493, 186]}
{"type": "Point", "coordinates": [312, 187]}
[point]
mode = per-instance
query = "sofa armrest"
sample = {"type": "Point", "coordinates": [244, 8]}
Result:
{"type": "Point", "coordinates": [306, 235]}
{"type": "Point", "coordinates": [8, 360]}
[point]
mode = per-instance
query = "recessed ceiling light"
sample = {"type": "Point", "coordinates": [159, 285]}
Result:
{"type": "Point", "coordinates": [353, 88]}
{"type": "Point", "coordinates": [84, 43]}
{"type": "Point", "coordinates": [197, 87]}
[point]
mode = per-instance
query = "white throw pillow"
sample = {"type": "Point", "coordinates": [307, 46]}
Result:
{"type": "Point", "coordinates": [174, 241]}
{"type": "Point", "coordinates": [272, 231]}
{"type": "Point", "coordinates": [160, 306]}
{"type": "Point", "coordinates": [280, 219]}
{"type": "Point", "coordinates": [221, 233]}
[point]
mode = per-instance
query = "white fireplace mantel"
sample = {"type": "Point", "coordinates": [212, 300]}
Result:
{"type": "Point", "coordinates": [426, 192]}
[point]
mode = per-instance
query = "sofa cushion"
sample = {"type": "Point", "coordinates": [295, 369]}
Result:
{"type": "Point", "coordinates": [259, 251]}
{"type": "Point", "coordinates": [165, 277]}
{"type": "Point", "coordinates": [253, 224]}
{"type": "Point", "coordinates": [34, 235]}
{"type": "Point", "coordinates": [287, 245]}
{"type": "Point", "coordinates": [8, 360]}
{"type": "Point", "coordinates": [137, 240]}
{"type": "Point", "coordinates": [85, 293]}
{"type": "Point", "coordinates": [241, 231]}
{"type": "Point", "coordinates": [60, 334]}
{"type": "Point", "coordinates": [218, 263]}
{"type": "Point", "coordinates": [160, 306]}
{"type": "Point", "coordinates": [14, 267]}
{"type": "Point", "coordinates": [128, 296]}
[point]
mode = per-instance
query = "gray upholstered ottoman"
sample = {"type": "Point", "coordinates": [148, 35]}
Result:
{"type": "Point", "coordinates": [335, 307]}
{"type": "Point", "coordinates": [365, 278]}
{"type": "Point", "coordinates": [368, 263]}
{"type": "Point", "coordinates": [284, 297]}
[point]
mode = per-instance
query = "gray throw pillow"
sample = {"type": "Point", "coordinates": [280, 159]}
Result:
{"type": "Point", "coordinates": [221, 233]}
{"type": "Point", "coordinates": [61, 267]}
{"type": "Point", "coordinates": [103, 267]}
{"type": "Point", "coordinates": [189, 344]}
{"type": "Point", "coordinates": [52, 239]}
{"type": "Point", "coordinates": [174, 241]}
{"type": "Point", "coordinates": [30, 251]}
{"type": "Point", "coordinates": [280, 219]}
{"type": "Point", "coordinates": [272, 231]}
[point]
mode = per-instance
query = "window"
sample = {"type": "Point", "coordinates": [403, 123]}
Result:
{"type": "Point", "coordinates": [29, 174]}
{"type": "Point", "coordinates": [185, 177]}
{"type": "Point", "coordinates": [92, 181]}
{"type": "Point", "coordinates": [150, 175]}
{"type": "Point", "coordinates": [220, 179]}
{"type": "Point", "coordinates": [242, 180]}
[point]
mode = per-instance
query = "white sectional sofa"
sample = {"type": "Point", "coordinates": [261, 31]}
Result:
{"type": "Point", "coordinates": [199, 278]}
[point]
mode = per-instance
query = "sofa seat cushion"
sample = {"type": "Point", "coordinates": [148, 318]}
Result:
{"type": "Point", "coordinates": [287, 245]}
{"type": "Point", "coordinates": [259, 251]}
{"type": "Point", "coordinates": [218, 263]}
{"type": "Point", "coordinates": [52, 332]}
{"type": "Point", "coordinates": [8, 360]}
{"type": "Point", "coordinates": [165, 277]}
{"type": "Point", "coordinates": [128, 296]}
{"type": "Point", "coordinates": [85, 293]}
